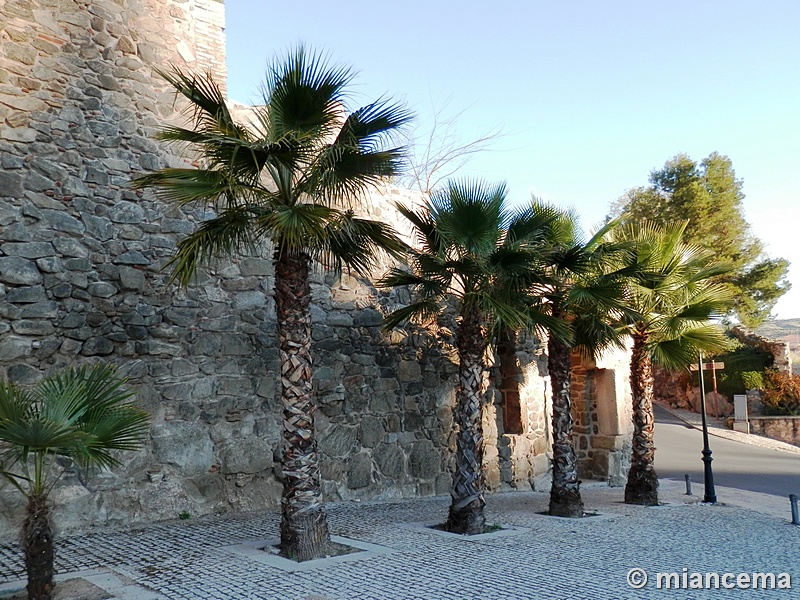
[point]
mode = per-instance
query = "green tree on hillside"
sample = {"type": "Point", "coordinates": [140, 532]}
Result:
{"type": "Point", "coordinates": [709, 196]}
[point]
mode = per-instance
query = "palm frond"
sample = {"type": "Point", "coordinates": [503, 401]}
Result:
{"type": "Point", "coordinates": [421, 311]}
{"type": "Point", "coordinates": [342, 174]}
{"type": "Point", "coordinates": [425, 228]}
{"type": "Point", "coordinates": [469, 215]}
{"type": "Point", "coordinates": [539, 223]}
{"type": "Point", "coordinates": [79, 413]}
{"type": "Point", "coordinates": [370, 127]}
{"type": "Point", "coordinates": [186, 186]}
{"type": "Point", "coordinates": [356, 243]}
{"type": "Point", "coordinates": [209, 108]}
{"type": "Point", "coordinates": [304, 94]}
{"type": "Point", "coordinates": [16, 404]}
{"type": "Point", "coordinates": [229, 232]}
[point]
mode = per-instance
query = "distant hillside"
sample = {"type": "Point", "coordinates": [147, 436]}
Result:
{"type": "Point", "coordinates": [781, 328]}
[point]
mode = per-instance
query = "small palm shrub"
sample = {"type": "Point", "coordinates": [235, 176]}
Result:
{"type": "Point", "coordinates": [84, 415]}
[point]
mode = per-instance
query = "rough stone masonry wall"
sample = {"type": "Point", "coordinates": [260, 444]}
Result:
{"type": "Point", "coordinates": [602, 413]}
{"type": "Point", "coordinates": [80, 281]}
{"type": "Point", "coordinates": [778, 349]}
{"type": "Point", "coordinates": [786, 429]}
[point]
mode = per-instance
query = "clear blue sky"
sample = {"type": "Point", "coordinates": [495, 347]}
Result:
{"type": "Point", "coordinates": [590, 96]}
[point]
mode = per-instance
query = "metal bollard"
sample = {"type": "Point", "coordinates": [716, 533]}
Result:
{"type": "Point", "coordinates": [795, 515]}
{"type": "Point", "coordinates": [688, 485]}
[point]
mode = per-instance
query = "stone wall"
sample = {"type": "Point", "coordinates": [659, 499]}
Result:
{"type": "Point", "coordinates": [785, 429]}
{"type": "Point", "coordinates": [519, 458]}
{"type": "Point", "coordinates": [778, 349]}
{"type": "Point", "coordinates": [602, 412]}
{"type": "Point", "coordinates": [81, 281]}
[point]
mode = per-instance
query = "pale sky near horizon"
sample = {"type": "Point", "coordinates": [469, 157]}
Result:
{"type": "Point", "coordinates": [589, 96]}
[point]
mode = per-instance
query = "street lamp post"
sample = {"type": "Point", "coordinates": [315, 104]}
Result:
{"type": "Point", "coordinates": [708, 474]}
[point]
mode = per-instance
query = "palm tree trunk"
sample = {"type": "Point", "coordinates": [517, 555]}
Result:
{"type": "Point", "coordinates": [304, 524]}
{"type": "Point", "coordinates": [37, 542]}
{"type": "Point", "coordinates": [565, 494]}
{"type": "Point", "coordinates": [466, 509]}
{"type": "Point", "coordinates": [642, 486]}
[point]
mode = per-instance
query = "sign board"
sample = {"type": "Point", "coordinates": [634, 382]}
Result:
{"type": "Point", "coordinates": [717, 366]}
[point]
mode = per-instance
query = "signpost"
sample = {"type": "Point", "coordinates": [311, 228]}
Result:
{"type": "Point", "coordinates": [713, 366]}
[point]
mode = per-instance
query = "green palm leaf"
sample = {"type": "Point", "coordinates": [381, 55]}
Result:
{"type": "Point", "coordinates": [78, 413]}
{"type": "Point", "coordinates": [287, 176]}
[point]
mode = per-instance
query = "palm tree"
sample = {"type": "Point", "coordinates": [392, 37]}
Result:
{"type": "Point", "coordinates": [79, 414]}
{"type": "Point", "coordinates": [672, 291]}
{"type": "Point", "coordinates": [288, 179]}
{"type": "Point", "coordinates": [585, 295]}
{"type": "Point", "coordinates": [478, 255]}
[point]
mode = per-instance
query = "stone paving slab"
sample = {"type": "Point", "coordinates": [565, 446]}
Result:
{"type": "Point", "coordinates": [546, 558]}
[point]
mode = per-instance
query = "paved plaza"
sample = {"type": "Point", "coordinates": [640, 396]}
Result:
{"type": "Point", "coordinates": [535, 557]}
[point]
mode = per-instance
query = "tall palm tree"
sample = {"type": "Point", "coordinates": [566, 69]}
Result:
{"type": "Point", "coordinates": [673, 294]}
{"type": "Point", "coordinates": [475, 253]}
{"type": "Point", "coordinates": [585, 294]}
{"type": "Point", "coordinates": [289, 179]}
{"type": "Point", "coordinates": [79, 414]}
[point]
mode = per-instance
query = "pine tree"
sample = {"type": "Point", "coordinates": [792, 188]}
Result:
{"type": "Point", "coordinates": [709, 196]}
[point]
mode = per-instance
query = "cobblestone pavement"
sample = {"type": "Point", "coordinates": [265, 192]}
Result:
{"type": "Point", "coordinates": [542, 558]}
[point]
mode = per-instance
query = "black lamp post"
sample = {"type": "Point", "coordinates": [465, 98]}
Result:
{"type": "Point", "coordinates": [708, 474]}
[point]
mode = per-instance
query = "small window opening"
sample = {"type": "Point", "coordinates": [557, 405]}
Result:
{"type": "Point", "coordinates": [510, 378]}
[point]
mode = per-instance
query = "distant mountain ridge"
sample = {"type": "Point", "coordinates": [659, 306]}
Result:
{"type": "Point", "coordinates": [781, 328]}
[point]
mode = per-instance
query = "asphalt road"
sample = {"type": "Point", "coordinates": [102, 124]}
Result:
{"type": "Point", "coordinates": [735, 465]}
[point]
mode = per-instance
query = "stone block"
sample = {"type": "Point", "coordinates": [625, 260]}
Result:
{"type": "Point", "coordinates": [183, 444]}
{"type": "Point", "coordinates": [102, 289]}
{"type": "Point", "coordinates": [126, 212]}
{"type": "Point", "coordinates": [370, 431]}
{"type": "Point", "coordinates": [368, 317]}
{"type": "Point", "coordinates": [131, 279]}
{"type": "Point", "coordinates": [247, 455]}
{"type": "Point", "coordinates": [608, 442]}
{"type": "Point", "coordinates": [70, 248]}
{"type": "Point", "coordinates": [24, 374]}
{"type": "Point", "coordinates": [11, 185]}
{"type": "Point", "coordinates": [234, 344]}
{"type": "Point", "coordinates": [30, 250]}
{"type": "Point", "coordinates": [19, 271]}
{"type": "Point", "coordinates": [424, 460]}
{"type": "Point", "coordinates": [61, 221]}
{"type": "Point", "coordinates": [359, 471]}
{"type": "Point", "coordinates": [339, 441]}
{"type": "Point", "coordinates": [27, 327]}
{"type": "Point", "coordinates": [40, 310]}
{"type": "Point", "coordinates": [133, 257]}
{"type": "Point", "coordinates": [26, 295]}
{"type": "Point", "coordinates": [391, 460]}
{"type": "Point", "coordinates": [97, 346]}
{"type": "Point", "coordinates": [12, 348]}
{"type": "Point", "coordinates": [49, 265]}
{"type": "Point", "coordinates": [409, 370]}
{"type": "Point", "coordinates": [249, 300]}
